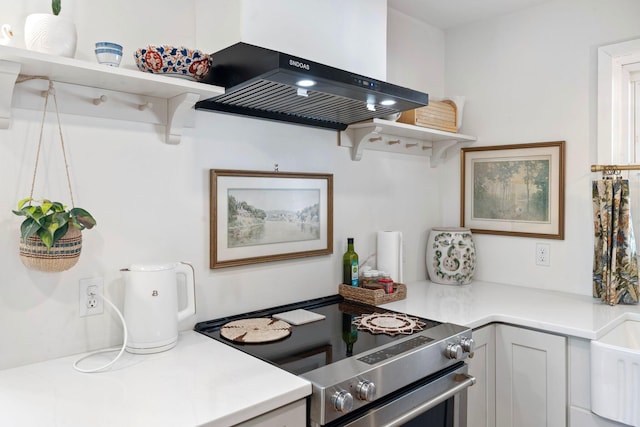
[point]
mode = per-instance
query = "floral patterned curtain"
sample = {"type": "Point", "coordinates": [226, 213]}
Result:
{"type": "Point", "coordinates": [615, 267]}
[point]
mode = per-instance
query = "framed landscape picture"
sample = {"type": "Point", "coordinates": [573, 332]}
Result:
{"type": "Point", "coordinates": [514, 190]}
{"type": "Point", "coordinates": [269, 216]}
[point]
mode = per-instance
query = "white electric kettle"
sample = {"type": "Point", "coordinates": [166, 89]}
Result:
{"type": "Point", "coordinates": [151, 305]}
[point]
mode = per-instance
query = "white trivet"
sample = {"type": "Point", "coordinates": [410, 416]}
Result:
{"type": "Point", "coordinates": [256, 330]}
{"type": "Point", "coordinates": [389, 323]}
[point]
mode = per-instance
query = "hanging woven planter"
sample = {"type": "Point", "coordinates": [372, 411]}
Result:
{"type": "Point", "coordinates": [51, 234]}
{"type": "Point", "coordinates": [63, 255]}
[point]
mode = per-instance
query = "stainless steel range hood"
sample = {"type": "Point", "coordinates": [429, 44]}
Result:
{"type": "Point", "coordinates": [272, 85]}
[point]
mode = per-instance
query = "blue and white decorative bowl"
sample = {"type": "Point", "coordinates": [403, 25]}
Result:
{"type": "Point", "coordinates": [173, 61]}
{"type": "Point", "coordinates": [111, 57]}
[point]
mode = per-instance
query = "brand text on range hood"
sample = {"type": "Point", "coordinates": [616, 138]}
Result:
{"type": "Point", "coordinates": [272, 85]}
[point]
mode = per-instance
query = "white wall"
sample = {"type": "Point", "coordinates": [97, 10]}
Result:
{"type": "Point", "coordinates": [132, 23]}
{"type": "Point", "coordinates": [347, 35]}
{"type": "Point", "coordinates": [527, 76]}
{"type": "Point", "coordinates": [531, 77]}
{"type": "Point", "coordinates": [151, 202]}
{"type": "Point", "coordinates": [415, 54]}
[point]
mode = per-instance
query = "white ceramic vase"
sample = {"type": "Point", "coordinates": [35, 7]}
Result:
{"type": "Point", "coordinates": [47, 33]}
{"type": "Point", "coordinates": [451, 256]}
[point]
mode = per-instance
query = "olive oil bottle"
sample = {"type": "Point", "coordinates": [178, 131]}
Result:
{"type": "Point", "coordinates": [350, 265]}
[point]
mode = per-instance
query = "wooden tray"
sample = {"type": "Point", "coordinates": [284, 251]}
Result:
{"type": "Point", "coordinates": [372, 296]}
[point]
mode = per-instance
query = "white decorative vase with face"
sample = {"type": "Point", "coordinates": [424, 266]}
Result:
{"type": "Point", "coordinates": [47, 33]}
{"type": "Point", "coordinates": [451, 256]}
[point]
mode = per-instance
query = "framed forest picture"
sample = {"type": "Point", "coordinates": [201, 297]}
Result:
{"type": "Point", "coordinates": [514, 190]}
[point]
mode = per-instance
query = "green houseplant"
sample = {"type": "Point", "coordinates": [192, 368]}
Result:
{"type": "Point", "coordinates": [50, 235]}
{"type": "Point", "coordinates": [50, 220]}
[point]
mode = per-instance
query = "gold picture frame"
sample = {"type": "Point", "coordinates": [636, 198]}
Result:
{"type": "Point", "coordinates": [514, 190]}
{"type": "Point", "coordinates": [269, 216]}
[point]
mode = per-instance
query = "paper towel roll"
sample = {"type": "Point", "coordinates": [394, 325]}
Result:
{"type": "Point", "coordinates": [390, 254]}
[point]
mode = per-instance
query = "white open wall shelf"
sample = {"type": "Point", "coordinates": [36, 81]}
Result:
{"type": "Point", "coordinates": [92, 89]}
{"type": "Point", "coordinates": [385, 135]}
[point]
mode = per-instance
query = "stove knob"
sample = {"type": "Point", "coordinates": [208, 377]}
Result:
{"type": "Point", "coordinates": [366, 390]}
{"type": "Point", "coordinates": [342, 401]}
{"type": "Point", "coordinates": [468, 344]}
{"type": "Point", "coordinates": [454, 351]}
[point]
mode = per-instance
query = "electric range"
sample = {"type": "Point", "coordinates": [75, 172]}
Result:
{"type": "Point", "coordinates": [367, 365]}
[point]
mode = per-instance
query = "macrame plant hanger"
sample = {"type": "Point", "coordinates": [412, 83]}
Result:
{"type": "Point", "coordinates": [65, 253]}
{"type": "Point", "coordinates": [51, 91]}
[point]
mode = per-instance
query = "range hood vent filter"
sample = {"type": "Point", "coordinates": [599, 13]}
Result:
{"type": "Point", "coordinates": [262, 83]}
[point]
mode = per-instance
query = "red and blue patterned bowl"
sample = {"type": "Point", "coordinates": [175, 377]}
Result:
{"type": "Point", "coordinates": [173, 61]}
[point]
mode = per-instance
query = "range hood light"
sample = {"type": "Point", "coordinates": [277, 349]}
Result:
{"type": "Point", "coordinates": [371, 107]}
{"type": "Point", "coordinates": [387, 102]}
{"type": "Point", "coordinates": [306, 83]}
{"type": "Point", "coordinates": [302, 92]}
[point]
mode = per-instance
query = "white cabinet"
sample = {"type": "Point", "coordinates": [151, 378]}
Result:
{"type": "Point", "coordinates": [291, 415]}
{"type": "Point", "coordinates": [530, 378]}
{"type": "Point", "coordinates": [481, 398]}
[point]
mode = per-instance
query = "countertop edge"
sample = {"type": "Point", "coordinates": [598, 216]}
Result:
{"type": "Point", "coordinates": [482, 303]}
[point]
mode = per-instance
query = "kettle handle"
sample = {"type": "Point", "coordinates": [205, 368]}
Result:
{"type": "Point", "coordinates": [187, 270]}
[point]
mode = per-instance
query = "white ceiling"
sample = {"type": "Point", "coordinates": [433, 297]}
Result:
{"type": "Point", "coordinates": [450, 13]}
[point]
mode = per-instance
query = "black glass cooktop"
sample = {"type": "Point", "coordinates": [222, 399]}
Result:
{"type": "Point", "coordinates": [312, 345]}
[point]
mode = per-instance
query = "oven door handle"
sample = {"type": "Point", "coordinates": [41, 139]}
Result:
{"type": "Point", "coordinates": [465, 381]}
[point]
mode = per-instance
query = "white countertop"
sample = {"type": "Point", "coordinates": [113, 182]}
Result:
{"type": "Point", "coordinates": [198, 382]}
{"type": "Point", "coordinates": [481, 303]}
{"type": "Point", "coordinates": [204, 382]}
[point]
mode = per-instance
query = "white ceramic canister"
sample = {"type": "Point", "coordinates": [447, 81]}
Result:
{"type": "Point", "coordinates": [47, 33]}
{"type": "Point", "coordinates": [451, 256]}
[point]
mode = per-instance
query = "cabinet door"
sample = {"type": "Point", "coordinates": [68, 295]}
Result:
{"type": "Point", "coordinates": [291, 415]}
{"type": "Point", "coordinates": [531, 378]}
{"type": "Point", "coordinates": [481, 397]}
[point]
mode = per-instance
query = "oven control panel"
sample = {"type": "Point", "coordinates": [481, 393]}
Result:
{"type": "Point", "coordinates": [394, 350]}
{"type": "Point", "coordinates": [350, 384]}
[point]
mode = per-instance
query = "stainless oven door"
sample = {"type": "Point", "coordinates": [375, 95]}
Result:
{"type": "Point", "coordinates": [442, 402]}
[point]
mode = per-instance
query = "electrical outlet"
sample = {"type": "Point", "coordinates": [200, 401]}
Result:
{"type": "Point", "coordinates": [91, 291]}
{"type": "Point", "coordinates": [543, 255]}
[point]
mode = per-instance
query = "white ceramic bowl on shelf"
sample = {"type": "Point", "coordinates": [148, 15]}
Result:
{"type": "Point", "coordinates": [109, 57]}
